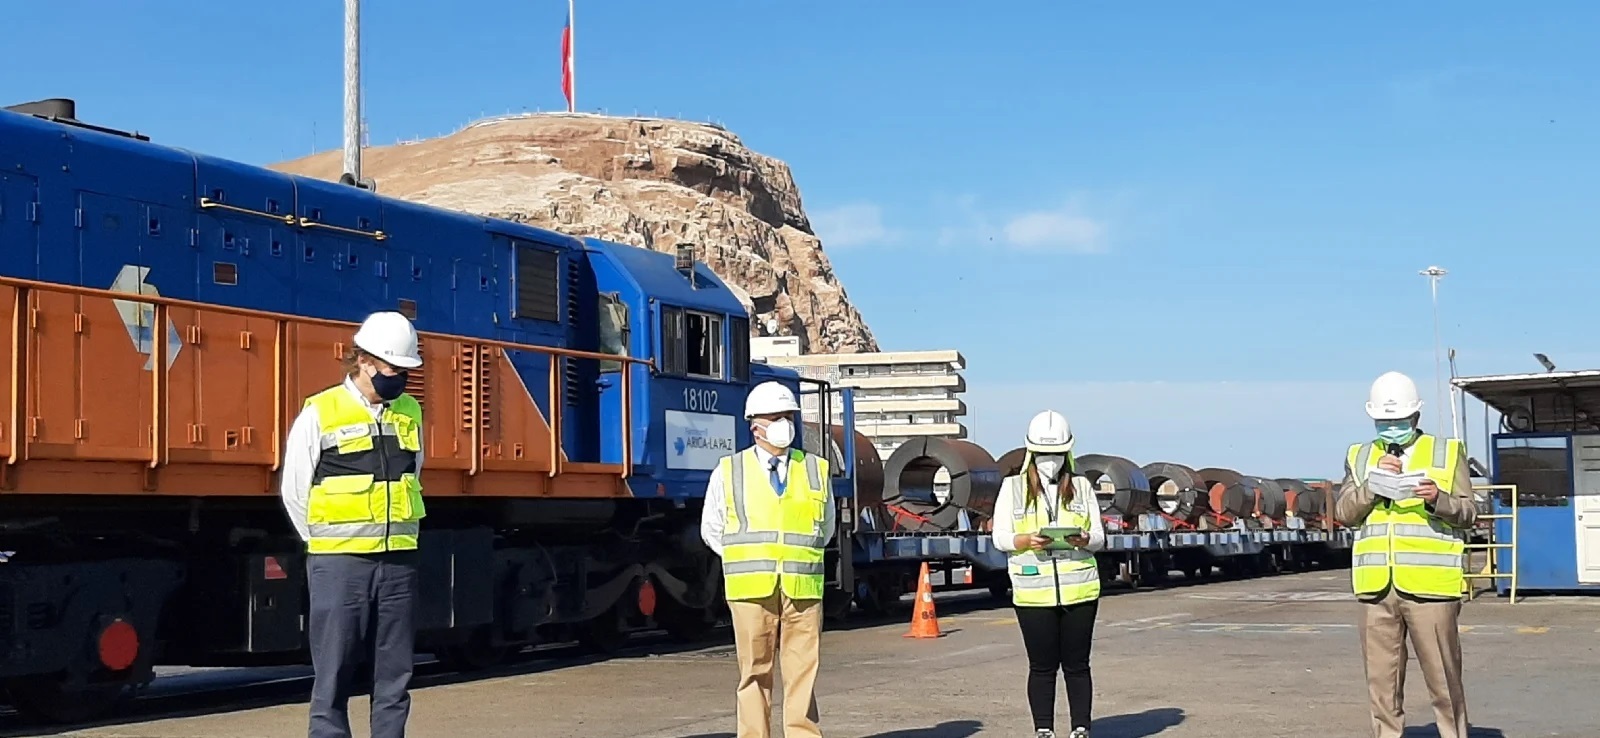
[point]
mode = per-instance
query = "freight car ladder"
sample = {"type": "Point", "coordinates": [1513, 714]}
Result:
{"type": "Point", "coordinates": [1490, 525]}
{"type": "Point", "coordinates": [818, 409]}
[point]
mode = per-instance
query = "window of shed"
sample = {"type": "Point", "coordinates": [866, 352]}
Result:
{"type": "Point", "coordinates": [1539, 467]}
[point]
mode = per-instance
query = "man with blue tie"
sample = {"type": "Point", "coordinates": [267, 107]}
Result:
{"type": "Point", "coordinates": [768, 513]}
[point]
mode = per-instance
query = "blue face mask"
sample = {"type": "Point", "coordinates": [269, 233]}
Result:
{"type": "Point", "coordinates": [389, 386]}
{"type": "Point", "coordinates": [1396, 431]}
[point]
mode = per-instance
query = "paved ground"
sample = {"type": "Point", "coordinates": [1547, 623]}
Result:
{"type": "Point", "coordinates": [1268, 657]}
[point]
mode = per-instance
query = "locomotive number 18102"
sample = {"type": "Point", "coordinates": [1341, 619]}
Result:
{"type": "Point", "coordinates": [700, 400]}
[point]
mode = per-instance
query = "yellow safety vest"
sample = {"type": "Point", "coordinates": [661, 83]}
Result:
{"type": "Point", "coordinates": [365, 494]}
{"type": "Point", "coordinates": [773, 540]}
{"type": "Point", "coordinates": [1400, 541]}
{"type": "Point", "coordinates": [1048, 578]}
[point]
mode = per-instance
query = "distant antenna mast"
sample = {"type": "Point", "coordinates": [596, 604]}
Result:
{"type": "Point", "coordinates": [1434, 274]}
{"type": "Point", "coordinates": [352, 91]}
{"type": "Point", "coordinates": [1458, 400]}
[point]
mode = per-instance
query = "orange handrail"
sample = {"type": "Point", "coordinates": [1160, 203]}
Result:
{"type": "Point", "coordinates": [171, 302]}
{"type": "Point", "coordinates": [556, 400]}
{"type": "Point", "coordinates": [23, 319]}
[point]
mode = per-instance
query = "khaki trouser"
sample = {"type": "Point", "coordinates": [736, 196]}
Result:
{"type": "Point", "coordinates": [1437, 640]}
{"type": "Point", "coordinates": [792, 629]}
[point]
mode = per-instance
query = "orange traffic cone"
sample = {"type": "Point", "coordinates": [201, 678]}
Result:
{"type": "Point", "coordinates": [924, 621]}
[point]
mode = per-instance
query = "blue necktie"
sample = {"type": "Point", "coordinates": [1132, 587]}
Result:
{"type": "Point", "coordinates": [777, 484]}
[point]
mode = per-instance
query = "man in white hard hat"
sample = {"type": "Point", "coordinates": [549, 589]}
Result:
{"type": "Point", "coordinates": [768, 513]}
{"type": "Point", "coordinates": [1408, 557]}
{"type": "Point", "coordinates": [352, 489]}
{"type": "Point", "coordinates": [1055, 589]}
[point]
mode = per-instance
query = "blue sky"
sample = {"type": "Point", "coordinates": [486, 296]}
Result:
{"type": "Point", "coordinates": [1195, 228]}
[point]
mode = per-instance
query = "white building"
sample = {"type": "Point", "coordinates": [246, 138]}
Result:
{"type": "Point", "coordinates": [898, 394]}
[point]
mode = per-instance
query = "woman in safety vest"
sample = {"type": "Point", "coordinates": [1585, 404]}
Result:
{"type": "Point", "coordinates": [1047, 518]}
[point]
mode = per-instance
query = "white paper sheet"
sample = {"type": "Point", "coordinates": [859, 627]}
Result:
{"type": "Point", "coordinates": [1394, 486]}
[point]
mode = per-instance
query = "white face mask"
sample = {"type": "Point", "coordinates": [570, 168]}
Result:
{"type": "Point", "coordinates": [1049, 466]}
{"type": "Point", "coordinates": [779, 433]}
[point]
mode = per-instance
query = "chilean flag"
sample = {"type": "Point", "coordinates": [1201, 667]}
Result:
{"type": "Point", "coordinates": [567, 74]}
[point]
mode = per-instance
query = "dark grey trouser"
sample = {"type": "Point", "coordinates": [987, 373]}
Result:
{"type": "Point", "coordinates": [362, 612]}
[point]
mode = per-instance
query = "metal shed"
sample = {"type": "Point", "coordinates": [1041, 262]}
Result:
{"type": "Point", "coordinates": [1548, 445]}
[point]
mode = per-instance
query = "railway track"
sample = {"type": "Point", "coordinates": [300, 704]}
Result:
{"type": "Point", "coordinates": [182, 692]}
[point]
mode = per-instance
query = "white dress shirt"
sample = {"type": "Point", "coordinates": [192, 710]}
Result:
{"type": "Point", "coordinates": [1083, 498]}
{"type": "Point", "coordinates": [301, 452]}
{"type": "Point", "coordinates": [714, 515]}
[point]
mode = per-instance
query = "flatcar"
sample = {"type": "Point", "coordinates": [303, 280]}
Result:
{"type": "Point", "coordinates": [167, 312]}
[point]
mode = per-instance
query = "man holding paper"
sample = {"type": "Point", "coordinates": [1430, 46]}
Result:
{"type": "Point", "coordinates": [1411, 495]}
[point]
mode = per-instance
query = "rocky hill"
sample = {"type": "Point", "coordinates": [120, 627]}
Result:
{"type": "Point", "coordinates": [641, 181]}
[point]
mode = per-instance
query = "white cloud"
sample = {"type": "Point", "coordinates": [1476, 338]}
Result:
{"type": "Point", "coordinates": [1068, 228]}
{"type": "Point", "coordinates": [859, 224]}
{"type": "Point", "coordinates": [1065, 229]}
{"type": "Point", "coordinates": [1266, 428]}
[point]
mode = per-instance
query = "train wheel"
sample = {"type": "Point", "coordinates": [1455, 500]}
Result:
{"type": "Point", "coordinates": [1154, 570]}
{"type": "Point", "coordinates": [478, 653]}
{"type": "Point", "coordinates": [1000, 587]}
{"type": "Point", "coordinates": [683, 623]}
{"type": "Point", "coordinates": [48, 699]}
{"type": "Point", "coordinates": [875, 595]}
{"type": "Point", "coordinates": [836, 603]}
{"type": "Point", "coordinates": [603, 634]}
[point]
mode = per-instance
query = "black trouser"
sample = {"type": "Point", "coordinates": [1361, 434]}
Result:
{"type": "Point", "coordinates": [362, 612]}
{"type": "Point", "coordinates": [1059, 638]}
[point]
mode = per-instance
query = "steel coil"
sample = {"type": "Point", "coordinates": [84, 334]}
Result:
{"type": "Point", "coordinates": [1229, 493]}
{"type": "Point", "coordinates": [869, 466]}
{"type": "Point", "coordinates": [1271, 501]}
{"type": "Point", "coordinates": [1179, 490]}
{"type": "Point", "coordinates": [1010, 462]}
{"type": "Point", "coordinates": [909, 481]}
{"type": "Point", "coordinates": [1304, 500]}
{"type": "Point", "coordinates": [1121, 485]}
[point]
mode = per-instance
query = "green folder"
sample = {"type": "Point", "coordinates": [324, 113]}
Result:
{"type": "Point", "coordinates": [1058, 537]}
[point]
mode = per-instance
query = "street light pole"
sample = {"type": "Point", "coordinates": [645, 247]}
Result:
{"type": "Point", "coordinates": [352, 89]}
{"type": "Point", "coordinates": [1434, 274]}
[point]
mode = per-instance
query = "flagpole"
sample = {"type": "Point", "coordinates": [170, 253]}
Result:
{"type": "Point", "coordinates": [572, 54]}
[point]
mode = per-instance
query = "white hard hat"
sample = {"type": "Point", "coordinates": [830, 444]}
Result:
{"type": "Point", "coordinates": [391, 338]}
{"type": "Point", "coordinates": [768, 398]}
{"type": "Point", "coordinates": [1393, 396]}
{"type": "Point", "coordinates": [1049, 433]}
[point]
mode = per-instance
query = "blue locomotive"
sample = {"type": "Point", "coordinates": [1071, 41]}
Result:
{"type": "Point", "coordinates": [150, 492]}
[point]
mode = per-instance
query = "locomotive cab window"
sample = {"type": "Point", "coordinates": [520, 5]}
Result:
{"type": "Point", "coordinates": [614, 330]}
{"type": "Point", "coordinates": [739, 348]}
{"type": "Point", "coordinates": [538, 287]}
{"type": "Point", "coordinates": [691, 343]}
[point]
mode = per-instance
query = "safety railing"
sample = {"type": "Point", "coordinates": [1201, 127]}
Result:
{"type": "Point", "coordinates": [1491, 570]}
{"type": "Point", "coordinates": [26, 315]}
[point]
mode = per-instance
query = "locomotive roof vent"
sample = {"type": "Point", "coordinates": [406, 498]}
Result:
{"type": "Point", "coordinates": [65, 110]}
{"type": "Point", "coordinates": [56, 107]}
